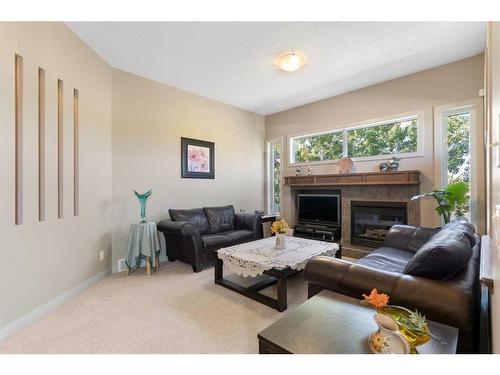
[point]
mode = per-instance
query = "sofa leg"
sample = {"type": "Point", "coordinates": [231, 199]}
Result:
{"type": "Point", "coordinates": [197, 268]}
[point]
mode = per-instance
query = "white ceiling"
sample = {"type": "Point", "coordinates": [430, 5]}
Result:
{"type": "Point", "coordinates": [234, 62]}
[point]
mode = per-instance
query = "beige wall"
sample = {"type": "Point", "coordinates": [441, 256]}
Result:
{"type": "Point", "coordinates": [149, 120]}
{"type": "Point", "coordinates": [417, 93]}
{"type": "Point", "coordinates": [42, 260]}
{"type": "Point", "coordinates": [493, 84]}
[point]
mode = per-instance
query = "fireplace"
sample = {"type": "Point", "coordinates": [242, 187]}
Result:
{"type": "Point", "coordinates": [370, 221]}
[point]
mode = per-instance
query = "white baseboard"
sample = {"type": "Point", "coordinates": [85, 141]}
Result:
{"type": "Point", "coordinates": [43, 310]}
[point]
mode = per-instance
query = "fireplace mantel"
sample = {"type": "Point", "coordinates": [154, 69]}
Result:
{"type": "Point", "coordinates": [411, 177]}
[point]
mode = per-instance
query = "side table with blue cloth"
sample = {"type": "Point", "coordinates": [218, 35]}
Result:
{"type": "Point", "coordinates": [143, 242]}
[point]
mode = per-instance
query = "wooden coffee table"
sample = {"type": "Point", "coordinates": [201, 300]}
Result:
{"type": "Point", "coordinates": [331, 323]}
{"type": "Point", "coordinates": [260, 258]}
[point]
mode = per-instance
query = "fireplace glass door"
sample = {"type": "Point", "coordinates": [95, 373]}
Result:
{"type": "Point", "coordinates": [370, 221]}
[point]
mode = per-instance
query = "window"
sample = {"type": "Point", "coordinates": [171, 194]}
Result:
{"type": "Point", "coordinates": [388, 138]}
{"type": "Point", "coordinates": [326, 146]}
{"type": "Point", "coordinates": [458, 146]}
{"type": "Point", "coordinates": [457, 149]}
{"type": "Point", "coordinates": [274, 177]}
{"type": "Point", "coordinates": [372, 140]}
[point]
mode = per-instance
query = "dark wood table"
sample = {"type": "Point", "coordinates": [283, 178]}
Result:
{"type": "Point", "coordinates": [276, 275]}
{"type": "Point", "coordinates": [331, 323]}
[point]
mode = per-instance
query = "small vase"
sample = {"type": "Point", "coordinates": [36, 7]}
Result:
{"type": "Point", "coordinates": [142, 202]}
{"type": "Point", "coordinates": [387, 339]}
{"type": "Point", "coordinates": [280, 241]}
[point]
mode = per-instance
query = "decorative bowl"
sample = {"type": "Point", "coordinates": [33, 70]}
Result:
{"type": "Point", "coordinates": [400, 315]}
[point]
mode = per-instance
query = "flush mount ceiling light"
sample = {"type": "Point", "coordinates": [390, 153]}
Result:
{"type": "Point", "coordinates": [291, 61]}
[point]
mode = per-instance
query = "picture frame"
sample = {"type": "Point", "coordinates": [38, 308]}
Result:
{"type": "Point", "coordinates": [197, 158]}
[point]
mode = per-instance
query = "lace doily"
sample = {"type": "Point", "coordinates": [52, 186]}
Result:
{"type": "Point", "coordinates": [253, 258]}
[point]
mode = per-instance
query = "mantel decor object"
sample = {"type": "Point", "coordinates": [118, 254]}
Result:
{"type": "Point", "coordinates": [280, 228]}
{"type": "Point", "coordinates": [344, 165]}
{"type": "Point", "coordinates": [142, 201]}
{"type": "Point", "coordinates": [390, 166]}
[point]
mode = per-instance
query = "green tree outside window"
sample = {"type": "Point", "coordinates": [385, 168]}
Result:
{"type": "Point", "coordinates": [385, 139]}
{"type": "Point", "coordinates": [318, 147]}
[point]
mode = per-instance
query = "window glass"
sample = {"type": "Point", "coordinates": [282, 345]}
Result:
{"type": "Point", "coordinates": [458, 147]}
{"type": "Point", "coordinates": [327, 146]}
{"type": "Point", "coordinates": [275, 177]}
{"type": "Point", "coordinates": [389, 138]}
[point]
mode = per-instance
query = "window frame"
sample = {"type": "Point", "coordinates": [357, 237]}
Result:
{"type": "Point", "coordinates": [441, 144]}
{"type": "Point", "coordinates": [418, 115]}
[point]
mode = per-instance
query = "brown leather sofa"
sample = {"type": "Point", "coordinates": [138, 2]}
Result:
{"type": "Point", "coordinates": [449, 292]}
{"type": "Point", "coordinates": [194, 235]}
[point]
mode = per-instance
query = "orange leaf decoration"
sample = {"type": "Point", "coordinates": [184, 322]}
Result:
{"type": "Point", "coordinates": [377, 299]}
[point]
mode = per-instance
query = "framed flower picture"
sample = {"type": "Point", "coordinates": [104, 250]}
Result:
{"type": "Point", "coordinates": [197, 158]}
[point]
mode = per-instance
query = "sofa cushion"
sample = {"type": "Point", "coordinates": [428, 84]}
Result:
{"type": "Point", "coordinates": [212, 242]}
{"type": "Point", "coordinates": [464, 226]}
{"type": "Point", "coordinates": [443, 256]}
{"type": "Point", "coordinates": [387, 259]}
{"type": "Point", "coordinates": [239, 235]}
{"type": "Point", "coordinates": [220, 219]}
{"type": "Point", "coordinates": [195, 216]}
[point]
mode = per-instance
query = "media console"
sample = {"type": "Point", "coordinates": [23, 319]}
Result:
{"type": "Point", "coordinates": [327, 233]}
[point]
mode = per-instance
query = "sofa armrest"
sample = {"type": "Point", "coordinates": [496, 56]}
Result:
{"type": "Point", "coordinates": [348, 278]}
{"type": "Point", "coordinates": [408, 237]}
{"type": "Point", "coordinates": [249, 221]}
{"type": "Point", "coordinates": [444, 301]}
{"type": "Point", "coordinates": [183, 241]}
{"type": "Point", "coordinates": [181, 228]}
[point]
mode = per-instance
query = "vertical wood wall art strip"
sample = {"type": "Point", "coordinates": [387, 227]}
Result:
{"type": "Point", "coordinates": [76, 159]}
{"type": "Point", "coordinates": [18, 83]}
{"type": "Point", "coordinates": [60, 150]}
{"type": "Point", "coordinates": [41, 144]}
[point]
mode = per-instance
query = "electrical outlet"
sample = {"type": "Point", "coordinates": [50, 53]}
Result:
{"type": "Point", "coordinates": [122, 265]}
{"type": "Point", "coordinates": [101, 255]}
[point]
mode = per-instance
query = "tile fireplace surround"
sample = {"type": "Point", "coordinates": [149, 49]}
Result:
{"type": "Point", "coordinates": [383, 187]}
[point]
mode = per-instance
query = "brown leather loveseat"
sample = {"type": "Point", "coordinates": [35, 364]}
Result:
{"type": "Point", "coordinates": [433, 271]}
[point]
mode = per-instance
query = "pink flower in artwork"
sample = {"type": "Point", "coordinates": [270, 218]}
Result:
{"type": "Point", "coordinates": [198, 159]}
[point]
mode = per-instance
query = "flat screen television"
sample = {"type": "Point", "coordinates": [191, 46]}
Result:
{"type": "Point", "coordinates": [317, 208]}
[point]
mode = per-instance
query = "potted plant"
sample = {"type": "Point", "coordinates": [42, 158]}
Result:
{"type": "Point", "coordinates": [454, 199]}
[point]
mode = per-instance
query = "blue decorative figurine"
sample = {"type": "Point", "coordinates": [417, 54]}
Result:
{"type": "Point", "coordinates": [142, 201]}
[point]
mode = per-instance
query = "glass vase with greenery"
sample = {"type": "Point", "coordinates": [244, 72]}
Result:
{"type": "Point", "coordinates": [452, 200]}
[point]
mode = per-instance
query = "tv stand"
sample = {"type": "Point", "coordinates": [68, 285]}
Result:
{"type": "Point", "coordinates": [322, 232]}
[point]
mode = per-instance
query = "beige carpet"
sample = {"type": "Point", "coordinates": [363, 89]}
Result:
{"type": "Point", "coordinates": [172, 311]}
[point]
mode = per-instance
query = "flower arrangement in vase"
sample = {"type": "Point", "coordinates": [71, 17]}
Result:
{"type": "Point", "coordinates": [411, 324]}
{"type": "Point", "coordinates": [279, 228]}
